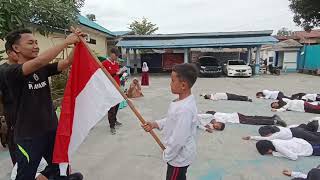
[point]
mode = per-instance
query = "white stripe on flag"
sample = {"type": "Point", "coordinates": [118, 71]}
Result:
{"type": "Point", "coordinates": [91, 105]}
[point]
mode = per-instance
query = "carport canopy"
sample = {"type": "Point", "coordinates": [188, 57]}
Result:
{"type": "Point", "coordinates": [242, 39]}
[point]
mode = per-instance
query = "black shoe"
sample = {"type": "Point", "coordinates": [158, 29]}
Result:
{"type": "Point", "coordinates": [118, 123]}
{"type": "Point", "coordinates": [75, 176]}
{"type": "Point", "coordinates": [279, 121]}
{"type": "Point", "coordinates": [250, 100]}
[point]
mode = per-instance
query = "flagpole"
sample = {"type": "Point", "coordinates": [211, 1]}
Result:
{"type": "Point", "coordinates": [132, 107]}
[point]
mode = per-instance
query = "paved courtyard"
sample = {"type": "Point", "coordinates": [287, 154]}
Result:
{"type": "Point", "coordinates": [133, 154]}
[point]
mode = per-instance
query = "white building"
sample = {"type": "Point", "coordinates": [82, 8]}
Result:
{"type": "Point", "coordinates": [284, 54]}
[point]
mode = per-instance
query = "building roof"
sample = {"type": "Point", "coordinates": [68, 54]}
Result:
{"type": "Point", "coordinates": [198, 40]}
{"type": "Point", "coordinates": [304, 34]}
{"type": "Point", "coordinates": [290, 43]}
{"type": "Point", "coordinates": [283, 38]}
{"type": "Point", "coordinates": [121, 33]}
{"type": "Point", "coordinates": [91, 24]}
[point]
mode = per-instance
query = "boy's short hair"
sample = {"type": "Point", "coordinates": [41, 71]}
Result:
{"type": "Point", "coordinates": [271, 105]}
{"type": "Point", "coordinates": [259, 93]}
{"type": "Point", "coordinates": [186, 72]}
{"type": "Point", "coordinates": [114, 51]}
{"type": "Point", "coordinates": [264, 146]}
{"type": "Point", "coordinates": [13, 37]}
{"type": "Point", "coordinates": [222, 126]}
{"type": "Point", "coordinates": [266, 130]}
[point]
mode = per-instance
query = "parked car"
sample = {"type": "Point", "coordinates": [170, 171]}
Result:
{"type": "Point", "coordinates": [238, 68]}
{"type": "Point", "coordinates": [209, 66]}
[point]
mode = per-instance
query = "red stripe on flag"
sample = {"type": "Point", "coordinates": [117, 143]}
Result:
{"type": "Point", "coordinates": [83, 67]}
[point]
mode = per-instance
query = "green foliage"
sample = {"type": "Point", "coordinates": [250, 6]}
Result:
{"type": "Point", "coordinates": [47, 15]}
{"type": "Point", "coordinates": [92, 17]}
{"type": "Point", "coordinates": [58, 84]}
{"type": "Point", "coordinates": [143, 27]}
{"type": "Point", "coordinates": [284, 32]}
{"type": "Point", "coordinates": [1, 54]}
{"type": "Point", "coordinates": [306, 13]}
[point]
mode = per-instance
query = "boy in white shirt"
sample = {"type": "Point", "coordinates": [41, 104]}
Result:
{"type": "Point", "coordinates": [216, 120]}
{"type": "Point", "coordinates": [295, 105]}
{"type": "Point", "coordinates": [267, 94]}
{"type": "Point", "coordinates": [226, 96]}
{"type": "Point", "coordinates": [291, 149]}
{"type": "Point", "coordinates": [179, 128]}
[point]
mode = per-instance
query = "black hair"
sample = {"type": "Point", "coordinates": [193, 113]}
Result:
{"type": "Point", "coordinates": [266, 130]}
{"type": "Point", "coordinates": [312, 126]}
{"type": "Point", "coordinates": [222, 126]}
{"type": "Point", "coordinates": [13, 37]}
{"type": "Point", "coordinates": [259, 93]}
{"type": "Point", "coordinates": [114, 51]}
{"type": "Point", "coordinates": [264, 146]}
{"type": "Point", "coordinates": [281, 103]}
{"type": "Point", "coordinates": [211, 112]}
{"type": "Point", "coordinates": [186, 72]}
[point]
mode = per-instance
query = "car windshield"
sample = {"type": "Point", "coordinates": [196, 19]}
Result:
{"type": "Point", "coordinates": [208, 61]}
{"type": "Point", "coordinates": [237, 62]}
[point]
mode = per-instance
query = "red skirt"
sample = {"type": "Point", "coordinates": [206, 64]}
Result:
{"type": "Point", "coordinates": [145, 79]}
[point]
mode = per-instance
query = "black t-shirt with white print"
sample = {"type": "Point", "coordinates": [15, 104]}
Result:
{"type": "Point", "coordinates": [35, 114]}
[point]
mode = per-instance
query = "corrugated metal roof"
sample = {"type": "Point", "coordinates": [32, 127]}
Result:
{"type": "Point", "coordinates": [121, 33]}
{"type": "Point", "coordinates": [87, 22]}
{"type": "Point", "coordinates": [208, 34]}
{"type": "Point", "coordinates": [196, 42]}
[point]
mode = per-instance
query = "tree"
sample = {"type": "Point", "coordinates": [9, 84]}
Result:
{"type": "Point", "coordinates": [306, 13]}
{"type": "Point", "coordinates": [143, 27]}
{"type": "Point", "coordinates": [284, 32]}
{"type": "Point", "coordinates": [45, 15]}
{"type": "Point", "coordinates": [92, 17]}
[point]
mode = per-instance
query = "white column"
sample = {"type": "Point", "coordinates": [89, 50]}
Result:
{"type": "Point", "coordinates": [249, 55]}
{"type": "Point", "coordinates": [257, 69]}
{"type": "Point", "coordinates": [186, 55]}
{"type": "Point", "coordinates": [135, 61]}
{"type": "Point", "coordinates": [128, 56]}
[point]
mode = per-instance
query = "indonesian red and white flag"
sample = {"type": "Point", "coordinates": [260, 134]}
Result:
{"type": "Point", "coordinates": [88, 96]}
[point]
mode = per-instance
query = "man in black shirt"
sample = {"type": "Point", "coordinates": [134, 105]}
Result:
{"type": "Point", "coordinates": [8, 104]}
{"type": "Point", "coordinates": [36, 121]}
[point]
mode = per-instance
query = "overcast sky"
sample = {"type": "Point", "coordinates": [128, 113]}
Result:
{"type": "Point", "coordinates": [183, 16]}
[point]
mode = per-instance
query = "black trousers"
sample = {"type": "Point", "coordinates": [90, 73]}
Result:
{"type": "Point", "coordinates": [176, 173]}
{"type": "Point", "coordinates": [297, 96]}
{"type": "Point", "coordinates": [311, 137]}
{"type": "Point", "coordinates": [256, 120]}
{"type": "Point", "coordinates": [281, 95]}
{"type": "Point", "coordinates": [12, 145]}
{"type": "Point", "coordinates": [312, 126]}
{"type": "Point", "coordinates": [235, 97]}
{"type": "Point", "coordinates": [29, 153]}
{"type": "Point", "coordinates": [112, 115]}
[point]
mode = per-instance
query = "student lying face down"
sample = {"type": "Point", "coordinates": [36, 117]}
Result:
{"type": "Point", "coordinates": [291, 149]}
{"type": "Point", "coordinates": [218, 119]}
{"type": "Point", "coordinates": [295, 105]}
{"type": "Point", "coordinates": [274, 132]}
